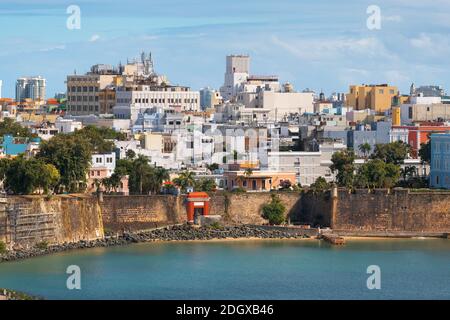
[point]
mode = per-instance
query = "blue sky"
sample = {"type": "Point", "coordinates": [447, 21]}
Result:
{"type": "Point", "coordinates": [319, 44]}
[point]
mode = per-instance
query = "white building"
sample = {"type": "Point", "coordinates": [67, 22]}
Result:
{"type": "Point", "coordinates": [129, 103]}
{"type": "Point", "coordinates": [106, 162]}
{"type": "Point", "coordinates": [67, 125]}
{"type": "Point", "coordinates": [30, 88]}
{"type": "Point", "coordinates": [308, 166]}
{"type": "Point", "coordinates": [237, 72]}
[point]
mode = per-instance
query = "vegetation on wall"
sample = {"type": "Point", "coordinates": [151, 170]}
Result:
{"type": "Point", "coordinates": [143, 177]}
{"type": "Point", "coordinates": [274, 211]}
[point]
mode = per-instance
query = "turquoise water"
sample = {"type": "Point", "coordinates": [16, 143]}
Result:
{"type": "Point", "coordinates": [289, 269]}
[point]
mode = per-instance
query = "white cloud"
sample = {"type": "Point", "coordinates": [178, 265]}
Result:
{"type": "Point", "coordinates": [318, 49]}
{"type": "Point", "coordinates": [94, 38]}
{"type": "Point", "coordinates": [423, 41]}
{"type": "Point", "coordinates": [57, 47]}
{"type": "Point", "coordinates": [394, 18]}
{"type": "Point", "coordinates": [432, 44]}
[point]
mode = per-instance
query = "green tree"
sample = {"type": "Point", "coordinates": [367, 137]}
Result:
{"type": "Point", "coordinates": [4, 164]}
{"type": "Point", "coordinates": [377, 174]}
{"type": "Point", "coordinates": [157, 176]}
{"type": "Point", "coordinates": [185, 179]}
{"type": "Point", "coordinates": [408, 172]}
{"type": "Point", "coordinates": [394, 152]}
{"type": "Point", "coordinates": [130, 154]}
{"type": "Point", "coordinates": [213, 166]}
{"type": "Point", "coordinates": [25, 176]}
{"type": "Point", "coordinates": [274, 211]}
{"type": "Point", "coordinates": [425, 152]}
{"type": "Point", "coordinates": [101, 140]}
{"type": "Point", "coordinates": [343, 166]}
{"type": "Point", "coordinates": [205, 184]}
{"type": "Point", "coordinates": [139, 172]}
{"type": "Point", "coordinates": [10, 126]}
{"type": "Point", "coordinates": [48, 177]}
{"type": "Point", "coordinates": [320, 185]}
{"type": "Point", "coordinates": [71, 155]}
{"type": "Point", "coordinates": [143, 178]}
{"type": "Point", "coordinates": [365, 148]}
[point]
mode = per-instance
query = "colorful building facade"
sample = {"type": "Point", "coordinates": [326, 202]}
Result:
{"type": "Point", "coordinates": [440, 160]}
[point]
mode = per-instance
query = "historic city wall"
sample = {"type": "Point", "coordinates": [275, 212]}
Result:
{"type": "Point", "coordinates": [141, 212]}
{"type": "Point", "coordinates": [138, 212]}
{"type": "Point", "coordinates": [395, 211]}
{"type": "Point", "coordinates": [28, 220]}
{"type": "Point", "coordinates": [378, 211]}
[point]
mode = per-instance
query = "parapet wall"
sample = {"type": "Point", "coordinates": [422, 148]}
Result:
{"type": "Point", "coordinates": [379, 211]}
{"type": "Point", "coordinates": [27, 220]}
{"type": "Point", "coordinates": [399, 210]}
{"type": "Point", "coordinates": [141, 212]}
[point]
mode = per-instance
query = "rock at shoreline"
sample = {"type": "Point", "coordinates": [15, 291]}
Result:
{"type": "Point", "coordinates": [173, 233]}
{"type": "Point", "coordinates": [6, 294]}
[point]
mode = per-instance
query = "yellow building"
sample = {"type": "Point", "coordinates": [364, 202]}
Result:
{"type": "Point", "coordinates": [396, 116]}
{"type": "Point", "coordinates": [375, 97]}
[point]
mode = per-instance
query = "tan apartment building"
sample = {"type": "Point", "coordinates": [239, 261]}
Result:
{"type": "Point", "coordinates": [86, 95]}
{"type": "Point", "coordinates": [375, 97]}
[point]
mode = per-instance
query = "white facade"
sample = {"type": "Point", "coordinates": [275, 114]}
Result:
{"type": "Point", "coordinates": [67, 125]}
{"type": "Point", "coordinates": [283, 103]}
{"type": "Point", "coordinates": [30, 88]}
{"type": "Point", "coordinates": [425, 100]}
{"type": "Point", "coordinates": [237, 72]}
{"type": "Point", "coordinates": [104, 161]}
{"type": "Point", "coordinates": [308, 166]}
{"type": "Point", "coordinates": [130, 103]}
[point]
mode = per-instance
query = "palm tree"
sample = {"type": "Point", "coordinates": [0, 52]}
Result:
{"type": "Point", "coordinates": [248, 172]}
{"type": "Point", "coordinates": [157, 177]}
{"type": "Point", "coordinates": [185, 179]}
{"type": "Point", "coordinates": [365, 148]}
{"type": "Point", "coordinates": [141, 168]}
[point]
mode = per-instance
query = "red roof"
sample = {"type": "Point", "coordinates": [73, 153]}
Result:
{"type": "Point", "coordinates": [198, 195]}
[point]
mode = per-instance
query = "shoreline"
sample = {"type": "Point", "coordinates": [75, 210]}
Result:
{"type": "Point", "coordinates": [185, 233]}
{"type": "Point", "coordinates": [179, 233]}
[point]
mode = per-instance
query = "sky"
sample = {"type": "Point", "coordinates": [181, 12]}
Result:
{"type": "Point", "coordinates": [317, 44]}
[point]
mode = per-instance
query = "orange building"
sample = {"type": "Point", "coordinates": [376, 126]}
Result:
{"type": "Point", "coordinates": [257, 180]}
{"type": "Point", "coordinates": [375, 97]}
